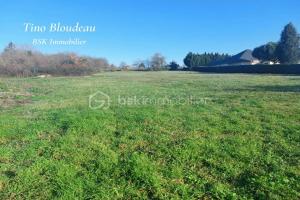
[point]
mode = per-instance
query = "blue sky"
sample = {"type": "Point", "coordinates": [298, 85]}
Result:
{"type": "Point", "coordinates": [128, 30]}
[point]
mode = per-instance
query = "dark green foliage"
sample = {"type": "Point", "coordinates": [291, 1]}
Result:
{"type": "Point", "coordinates": [188, 59]}
{"type": "Point", "coordinates": [173, 66]}
{"type": "Point", "coordinates": [196, 60]}
{"type": "Point", "coordinates": [288, 48]}
{"type": "Point", "coordinates": [266, 52]}
{"type": "Point", "coordinates": [252, 69]}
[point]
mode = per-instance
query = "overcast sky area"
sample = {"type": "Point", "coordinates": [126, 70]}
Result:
{"type": "Point", "coordinates": [129, 30]}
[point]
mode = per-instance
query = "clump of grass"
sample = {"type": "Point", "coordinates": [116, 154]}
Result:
{"type": "Point", "coordinates": [3, 87]}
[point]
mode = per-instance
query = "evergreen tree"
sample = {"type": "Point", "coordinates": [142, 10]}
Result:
{"type": "Point", "coordinates": [288, 48]}
{"type": "Point", "coordinates": [188, 59]}
{"type": "Point", "coordinates": [266, 52]}
{"type": "Point", "coordinates": [173, 66]}
{"type": "Point", "coordinates": [196, 60]}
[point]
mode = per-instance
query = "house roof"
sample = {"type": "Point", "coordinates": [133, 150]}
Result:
{"type": "Point", "coordinates": [243, 57]}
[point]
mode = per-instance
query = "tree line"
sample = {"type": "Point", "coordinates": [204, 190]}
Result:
{"type": "Point", "coordinates": [156, 63]}
{"type": "Point", "coordinates": [286, 51]}
{"type": "Point", "coordinates": [19, 61]}
{"type": "Point", "coordinates": [22, 61]}
{"type": "Point", "coordinates": [206, 59]}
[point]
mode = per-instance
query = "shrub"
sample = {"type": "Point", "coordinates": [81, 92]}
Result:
{"type": "Point", "coordinates": [25, 62]}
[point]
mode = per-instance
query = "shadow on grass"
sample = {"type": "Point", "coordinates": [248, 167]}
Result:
{"type": "Point", "coordinates": [10, 173]}
{"type": "Point", "coordinates": [278, 88]}
{"type": "Point", "coordinates": [273, 88]}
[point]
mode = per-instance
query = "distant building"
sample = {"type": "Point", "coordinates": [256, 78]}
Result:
{"type": "Point", "coordinates": [270, 63]}
{"type": "Point", "coordinates": [243, 58]}
{"type": "Point", "coordinates": [267, 62]}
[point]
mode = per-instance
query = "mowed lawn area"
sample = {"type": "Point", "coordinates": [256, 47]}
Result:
{"type": "Point", "coordinates": [239, 138]}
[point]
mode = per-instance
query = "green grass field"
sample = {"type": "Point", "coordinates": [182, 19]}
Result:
{"type": "Point", "coordinates": [242, 143]}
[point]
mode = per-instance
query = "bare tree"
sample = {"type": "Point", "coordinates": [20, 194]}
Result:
{"type": "Point", "coordinates": [139, 65]}
{"type": "Point", "coordinates": [124, 66]}
{"type": "Point", "coordinates": [10, 47]}
{"type": "Point", "coordinates": [158, 62]}
{"type": "Point", "coordinates": [15, 61]}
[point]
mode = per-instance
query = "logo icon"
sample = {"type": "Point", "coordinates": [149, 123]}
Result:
{"type": "Point", "coordinates": [99, 100]}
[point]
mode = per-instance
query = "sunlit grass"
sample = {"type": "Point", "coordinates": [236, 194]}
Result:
{"type": "Point", "coordinates": [243, 143]}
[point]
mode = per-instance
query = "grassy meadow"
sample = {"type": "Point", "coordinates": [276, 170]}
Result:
{"type": "Point", "coordinates": [243, 142]}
